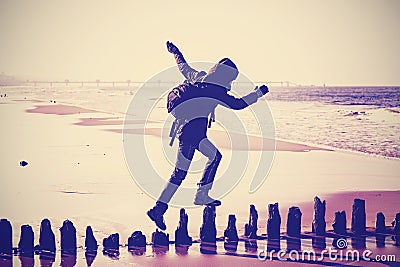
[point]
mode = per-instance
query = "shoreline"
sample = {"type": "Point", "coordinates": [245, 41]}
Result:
{"type": "Point", "coordinates": [66, 109]}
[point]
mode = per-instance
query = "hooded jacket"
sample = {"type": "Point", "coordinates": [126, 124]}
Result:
{"type": "Point", "coordinates": [214, 91]}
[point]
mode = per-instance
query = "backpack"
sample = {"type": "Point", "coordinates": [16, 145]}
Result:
{"type": "Point", "coordinates": [177, 96]}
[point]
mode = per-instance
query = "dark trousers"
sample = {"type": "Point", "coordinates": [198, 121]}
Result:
{"type": "Point", "coordinates": [184, 158]}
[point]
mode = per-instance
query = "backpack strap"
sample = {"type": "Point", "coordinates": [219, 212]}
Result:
{"type": "Point", "coordinates": [212, 118]}
{"type": "Point", "coordinates": [172, 132]}
{"type": "Point", "coordinates": [176, 126]}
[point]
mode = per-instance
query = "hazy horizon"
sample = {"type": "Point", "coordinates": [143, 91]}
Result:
{"type": "Point", "coordinates": [305, 42]}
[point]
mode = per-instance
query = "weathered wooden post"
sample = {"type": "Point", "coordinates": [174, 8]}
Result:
{"type": "Point", "coordinates": [160, 242]}
{"type": "Point", "coordinates": [273, 228]}
{"type": "Point", "coordinates": [90, 240]}
{"type": "Point", "coordinates": [231, 237]}
{"type": "Point", "coordinates": [47, 240]}
{"type": "Point", "coordinates": [137, 239]}
{"type": "Point", "coordinates": [293, 229]}
{"type": "Point", "coordinates": [396, 230]}
{"type": "Point", "coordinates": [68, 238]}
{"type": "Point", "coordinates": [160, 239]}
{"type": "Point", "coordinates": [182, 239]}
{"type": "Point", "coordinates": [250, 229]}
{"type": "Point", "coordinates": [47, 244]}
{"type": "Point", "coordinates": [380, 229]}
{"type": "Point", "coordinates": [358, 223]}
{"type": "Point", "coordinates": [208, 231]}
{"type": "Point", "coordinates": [293, 225]}
{"type": "Point", "coordinates": [181, 234]}
{"type": "Point", "coordinates": [111, 245]}
{"type": "Point", "coordinates": [5, 238]}
{"type": "Point", "coordinates": [358, 217]}
{"type": "Point", "coordinates": [319, 224]}
{"type": "Point", "coordinates": [68, 244]}
{"type": "Point", "coordinates": [137, 243]}
{"type": "Point", "coordinates": [339, 226]}
{"type": "Point", "coordinates": [25, 245]}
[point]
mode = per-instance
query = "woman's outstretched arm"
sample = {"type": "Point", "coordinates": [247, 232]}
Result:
{"type": "Point", "coordinates": [188, 72]}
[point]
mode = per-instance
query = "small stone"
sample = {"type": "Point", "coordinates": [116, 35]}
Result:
{"type": "Point", "coordinates": [23, 163]}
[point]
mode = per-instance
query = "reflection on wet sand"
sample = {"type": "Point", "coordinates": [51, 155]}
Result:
{"type": "Point", "coordinates": [208, 247]}
{"type": "Point", "coordinates": [68, 260]}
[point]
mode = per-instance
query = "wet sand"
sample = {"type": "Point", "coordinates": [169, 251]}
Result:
{"type": "Point", "coordinates": [58, 109]}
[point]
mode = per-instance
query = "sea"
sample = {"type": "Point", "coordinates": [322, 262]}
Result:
{"type": "Point", "coordinates": [359, 119]}
{"type": "Point", "coordinates": [362, 119]}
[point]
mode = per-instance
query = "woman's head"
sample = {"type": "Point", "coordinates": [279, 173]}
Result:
{"type": "Point", "coordinates": [223, 73]}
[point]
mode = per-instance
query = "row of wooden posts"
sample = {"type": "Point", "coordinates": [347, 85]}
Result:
{"type": "Point", "coordinates": [208, 233]}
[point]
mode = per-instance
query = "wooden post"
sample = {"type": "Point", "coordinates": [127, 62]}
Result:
{"type": "Point", "coordinates": [91, 246]}
{"type": "Point", "coordinates": [111, 242]}
{"type": "Point", "coordinates": [47, 240]}
{"type": "Point", "coordinates": [111, 245]}
{"type": "Point", "coordinates": [380, 229]}
{"type": "Point", "coordinates": [319, 224]}
{"type": "Point", "coordinates": [293, 225]}
{"type": "Point", "coordinates": [358, 223]}
{"type": "Point", "coordinates": [208, 231]}
{"type": "Point", "coordinates": [230, 232]}
{"type": "Point", "coordinates": [25, 245]}
{"type": "Point", "coordinates": [339, 226]}
{"type": "Point", "coordinates": [160, 239]}
{"type": "Point", "coordinates": [181, 234]}
{"type": "Point", "coordinates": [293, 228]}
{"type": "Point", "coordinates": [137, 239]}
{"type": "Point", "coordinates": [90, 240]}
{"type": "Point", "coordinates": [68, 238]}
{"type": "Point", "coordinates": [160, 242]}
{"type": "Point", "coordinates": [273, 228]}
{"type": "Point", "coordinates": [231, 237]}
{"type": "Point", "coordinates": [5, 237]}
{"type": "Point", "coordinates": [396, 230]}
{"type": "Point", "coordinates": [250, 229]}
{"type": "Point", "coordinates": [137, 243]}
{"type": "Point", "coordinates": [358, 217]}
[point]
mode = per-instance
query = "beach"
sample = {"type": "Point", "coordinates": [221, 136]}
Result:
{"type": "Point", "coordinates": [73, 144]}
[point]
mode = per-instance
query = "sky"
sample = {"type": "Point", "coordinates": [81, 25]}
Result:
{"type": "Point", "coordinates": [341, 42]}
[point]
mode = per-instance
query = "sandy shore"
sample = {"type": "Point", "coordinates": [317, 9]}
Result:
{"type": "Point", "coordinates": [76, 171]}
